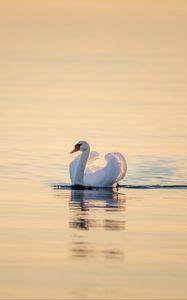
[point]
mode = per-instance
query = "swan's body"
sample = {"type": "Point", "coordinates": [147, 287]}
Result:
{"type": "Point", "coordinates": [83, 172]}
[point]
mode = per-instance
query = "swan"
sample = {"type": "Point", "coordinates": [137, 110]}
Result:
{"type": "Point", "coordinates": [84, 173]}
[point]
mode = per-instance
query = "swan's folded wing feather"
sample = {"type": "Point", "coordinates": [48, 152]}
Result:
{"type": "Point", "coordinates": [93, 157]}
{"type": "Point", "coordinates": [113, 172]}
{"type": "Point", "coordinates": [117, 161]}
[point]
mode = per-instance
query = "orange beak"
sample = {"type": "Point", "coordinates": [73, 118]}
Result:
{"type": "Point", "coordinates": [77, 148]}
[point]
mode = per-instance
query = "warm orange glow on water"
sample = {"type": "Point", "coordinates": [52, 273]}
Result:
{"type": "Point", "coordinates": [112, 73]}
{"type": "Point", "coordinates": [49, 244]}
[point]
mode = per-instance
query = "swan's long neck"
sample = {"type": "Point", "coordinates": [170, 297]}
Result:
{"type": "Point", "coordinates": [79, 176]}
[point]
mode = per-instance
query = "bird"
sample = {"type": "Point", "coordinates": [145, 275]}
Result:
{"type": "Point", "coordinates": [84, 173]}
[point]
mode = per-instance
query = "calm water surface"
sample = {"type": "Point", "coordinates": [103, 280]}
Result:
{"type": "Point", "coordinates": [93, 244]}
{"type": "Point", "coordinates": [73, 244]}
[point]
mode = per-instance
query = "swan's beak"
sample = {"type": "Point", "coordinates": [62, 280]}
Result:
{"type": "Point", "coordinates": [77, 148]}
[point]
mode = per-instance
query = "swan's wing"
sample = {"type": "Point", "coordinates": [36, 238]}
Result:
{"type": "Point", "coordinates": [89, 167]}
{"type": "Point", "coordinates": [93, 157]}
{"type": "Point", "coordinates": [117, 163]}
{"type": "Point", "coordinates": [110, 174]}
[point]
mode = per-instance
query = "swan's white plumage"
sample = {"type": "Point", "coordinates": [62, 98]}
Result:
{"type": "Point", "coordinates": [111, 173]}
{"type": "Point", "coordinates": [114, 170]}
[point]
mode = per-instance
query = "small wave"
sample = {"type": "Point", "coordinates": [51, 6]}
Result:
{"type": "Point", "coordinates": [176, 186]}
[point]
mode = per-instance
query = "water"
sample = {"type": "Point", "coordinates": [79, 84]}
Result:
{"type": "Point", "coordinates": [93, 244]}
{"type": "Point", "coordinates": [120, 84]}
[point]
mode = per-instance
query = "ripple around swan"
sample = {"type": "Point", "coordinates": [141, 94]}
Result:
{"type": "Point", "coordinates": [70, 187]}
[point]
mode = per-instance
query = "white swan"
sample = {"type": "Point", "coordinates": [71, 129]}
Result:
{"type": "Point", "coordinates": [84, 173]}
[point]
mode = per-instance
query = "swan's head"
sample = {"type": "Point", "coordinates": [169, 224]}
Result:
{"type": "Point", "coordinates": [81, 146]}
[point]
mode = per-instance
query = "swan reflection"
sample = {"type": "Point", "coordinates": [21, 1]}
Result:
{"type": "Point", "coordinates": [97, 211]}
{"type": "Point", "coordinates": [93, 209]}
{"type": "Point", "coordinates": [93, 214]}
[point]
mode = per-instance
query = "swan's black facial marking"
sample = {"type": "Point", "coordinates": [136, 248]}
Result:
{"type": "Point", "coordinates": [78, 145]}
{"type": "Point", "coordinates": [77, 148]}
